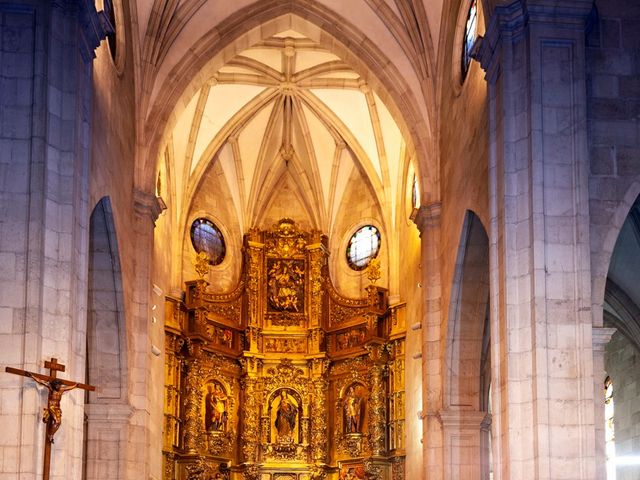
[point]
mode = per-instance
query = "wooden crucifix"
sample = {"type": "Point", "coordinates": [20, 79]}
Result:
{"type": "Point", "coordinates": [52, 415]}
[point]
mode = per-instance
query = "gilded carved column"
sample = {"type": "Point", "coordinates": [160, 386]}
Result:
{"type": "Point", "coordinates": [250, 417]}
{"type": "Point", "coordinates": [193, 398]}
{"type": "Point", "coordinates": [254, 255]}
{"type": "Point", "coordinates": [319, 421]}
{"type": "Point", "coordinates": [377, 402]}
{"type": "Point", "coordinates": [317, 255]}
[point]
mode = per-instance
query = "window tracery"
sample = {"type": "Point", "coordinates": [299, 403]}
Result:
{"type": "Point", "coordinates": [206, 237]}
{"type": "Point", "coordinates": [363, 247]}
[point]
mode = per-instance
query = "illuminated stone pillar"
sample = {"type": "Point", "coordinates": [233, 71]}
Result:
{"type": "Point", "coordinates": [540, 283]}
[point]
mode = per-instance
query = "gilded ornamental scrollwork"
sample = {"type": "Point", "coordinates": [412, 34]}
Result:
{"type": "Point", "coordinates": [285, 240]}
{"type": "Point", "coordinates": [283, 378]}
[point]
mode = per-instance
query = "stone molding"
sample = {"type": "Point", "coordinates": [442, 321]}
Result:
{"type": "Point", "coordinates": [108, 413]}
{"type": "Point", "coordinates": [600, 337]}
{"type": "Point", "coordinates": [94, 25]}
{"type": "Point", "coordinates": [462, 419]}
{"type": "Point", "coordinates": [146, 204]}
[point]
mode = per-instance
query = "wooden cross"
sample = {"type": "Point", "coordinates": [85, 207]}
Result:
{"type": "Point", "coordinates": [52, 413]}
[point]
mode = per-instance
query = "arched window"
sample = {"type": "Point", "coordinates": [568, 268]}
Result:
{"type": "Point", "coordinates": [415, 193]}
{"type": "Point", "coordinates": [206, 237]}
{"type": "Point", "coordinates": [363, 246]}
{"type": "Point", "coordinates": [111, 37]}
{"type": "Point", "coordinates": [470, 34]}
{"type": "Point", "coordinates": [610, 440]}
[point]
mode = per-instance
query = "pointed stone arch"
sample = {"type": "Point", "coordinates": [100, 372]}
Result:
{"type": "Point", "coordinates": [621, 321]}
{"type": "Point", "coordinates": [604, 239]}
{"type": "Point", "coordinates": [107, 410]}
{"type": "Point", "coordinates": [464, 414]}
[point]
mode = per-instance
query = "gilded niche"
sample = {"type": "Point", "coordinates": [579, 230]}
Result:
{"type": "Point", "coordinates": [285, 280]}
{"type": "Point", "coordinates": [283, 378]}
{"type": "Point", "coordinates": [216, 408]}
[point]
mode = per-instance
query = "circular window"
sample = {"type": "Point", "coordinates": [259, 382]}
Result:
{"type": "Point", "coordinates": [363, 246]}
{"type": "Point", "coordinates": [470, 34]}
{"type": "Point", "coordinates": [206, 237]}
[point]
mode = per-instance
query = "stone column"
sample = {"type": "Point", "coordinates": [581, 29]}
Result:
{"type": "Point", "coordinates": [601, 337]}
{"type": "Point", "coordinates": [45, 121]}
{"type": "Point", "coordinates": [146, 370]}
{"type": "Point", "coordinates": [428, 221]}
{"type": "Point", "coordinates": [542, 360]}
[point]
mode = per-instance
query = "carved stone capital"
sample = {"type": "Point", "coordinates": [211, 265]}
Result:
{"type": "Point", "coordinates": [94, 27]}
{"type": "Point", "coordinates": [600, 337]}
{"type": "Point", "coordinates": [462, 419]}
{"type": "Point", "coordinates": [428, 216]}
{"type": "Point", "coordinates": [146, 204]}
{"type": "Point", "coordinates": [510, 21]}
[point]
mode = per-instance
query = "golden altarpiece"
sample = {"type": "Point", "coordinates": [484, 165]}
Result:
{"type": "Point", "coordinates": [283, 378]}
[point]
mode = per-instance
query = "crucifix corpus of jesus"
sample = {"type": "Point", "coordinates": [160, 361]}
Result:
{"type": "Point", "coordinates": [52, 415]}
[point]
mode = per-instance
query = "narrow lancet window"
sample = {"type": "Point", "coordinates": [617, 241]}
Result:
{"type": "Point", "coordinates": [470, 34]}
{"type": "Point", "coordinates": [610, 442]}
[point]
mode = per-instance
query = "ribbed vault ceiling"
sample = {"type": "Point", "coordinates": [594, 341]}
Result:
{"type": "Point", "coordinates": [287, 109]}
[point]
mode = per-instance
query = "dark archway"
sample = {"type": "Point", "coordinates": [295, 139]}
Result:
{"type": "Point", "coordinates": [467, 376]}
{"type": "Point", "coordinates": [106, 409]}
{"type": "Point", "coordinates": [622, 353]}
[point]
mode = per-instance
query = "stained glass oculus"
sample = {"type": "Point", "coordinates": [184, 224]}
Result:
{"type": "Point", "coordinates": [206, 237]}
{"type": "Point", "coordinates": [363, 246]}
{"type": "Point", "coordinates": [470, 33]}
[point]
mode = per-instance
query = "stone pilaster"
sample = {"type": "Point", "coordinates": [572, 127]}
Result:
{"type": "Point", "coordinates": [428, 220]}
{"type": "Point", "coordinates": [462, 432]}
{"type": "Point", "coordinates": [534, 56]}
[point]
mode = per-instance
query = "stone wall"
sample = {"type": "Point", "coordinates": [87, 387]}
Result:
{"type": "Point", "coordinates": [358, 208]}
{"type": "Point", "coordinates": [613, 111]}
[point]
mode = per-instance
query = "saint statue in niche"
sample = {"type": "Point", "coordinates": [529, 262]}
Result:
{"type": "Point", "coordinates": [216, 409]}
{"type": "Point", "coordinates": [353, 406]}
{"type": "Point", "coordinates": [286, 417]}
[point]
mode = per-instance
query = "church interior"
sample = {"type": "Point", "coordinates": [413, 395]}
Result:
{"type": "Point", "coordinates": [320, 239]}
